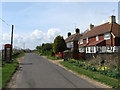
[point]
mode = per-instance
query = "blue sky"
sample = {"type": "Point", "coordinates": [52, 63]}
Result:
{"type": "Point", "coordinates": [40, 22]}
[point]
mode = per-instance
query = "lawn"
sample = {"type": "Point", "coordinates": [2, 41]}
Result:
{"type": "Point", "coordinates": [91, 74]}
{"type": "Point", "coordinates": [8, 69]}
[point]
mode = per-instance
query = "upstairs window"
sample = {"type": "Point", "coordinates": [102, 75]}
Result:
{"type": "Point", "coordinates": [106, 36]}
{"type": "Point", "coordinates": [97, 38]}
{"type": "Point", "coordinates": [81, 41]}
{"type": "Point", "coordinates": [87, 40]}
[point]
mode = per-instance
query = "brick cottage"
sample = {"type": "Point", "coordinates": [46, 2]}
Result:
{"type": "Point", "coordinates": [101, 39]}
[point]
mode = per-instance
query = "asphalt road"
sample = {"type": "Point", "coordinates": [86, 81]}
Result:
{"type": "Point", "coordinates": [38, 72]}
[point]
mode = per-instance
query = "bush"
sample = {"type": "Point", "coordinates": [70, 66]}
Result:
{"type": "Point", "coordinates": [58, 57]}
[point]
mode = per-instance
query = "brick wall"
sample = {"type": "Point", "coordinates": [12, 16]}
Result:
{"type": "Point", "coordinates": [92, 39]}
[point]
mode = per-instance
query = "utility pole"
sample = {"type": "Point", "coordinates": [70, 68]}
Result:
{"type": "Point", "coordinates": [12, 41]}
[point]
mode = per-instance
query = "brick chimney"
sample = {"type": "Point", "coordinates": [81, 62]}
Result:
{"type": "Point", "coordinates": [69, 33]}
{"type": "Point", "coordinates": [112, 19]}
{"type": "Point", "coordinates": [77, 30]}
{"type": "Point", "coordinates": [91, 26]}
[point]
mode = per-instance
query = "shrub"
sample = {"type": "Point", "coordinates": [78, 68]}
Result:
{"type": "Point", "coordinates": [58, 57]}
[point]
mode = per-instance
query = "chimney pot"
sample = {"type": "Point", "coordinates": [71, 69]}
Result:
{"type": "Point", "coordinates": [91, 26]}
{"type": "Point", "coordinates": [77, 30]}
{"type": "Point", "coordinates": [112, 19]}
{"type": "Point", "coordinates": [69, 33]}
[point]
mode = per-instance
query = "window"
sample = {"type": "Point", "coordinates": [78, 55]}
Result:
{"type": "Point", "coordinates": [97, 38]}
{"type": "Point", "coordinates": [106, 36]}
{"type": "Point", "coordinates": [81, 49]}
{"type": "Point", "coordinates": [91, 49]}
{"type": "Point", "coordinates": [87, 49]}
{"type": "Point", "coordinates": [87, 40]}
{"type": "Point", "coordinates": [81, 41]}
{"type": "Point", "coordinates": [70, 45]}
{"type": "Point", "coordinates": [108, 48]}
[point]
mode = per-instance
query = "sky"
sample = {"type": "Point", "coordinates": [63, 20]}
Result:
{"type": "Point", "coordinates": [40, 22]}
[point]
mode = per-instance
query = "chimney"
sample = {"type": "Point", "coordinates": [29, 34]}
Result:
{"type": "Point", "coordinates": [69, 33]}
{"type": "Point", "coordinates": [112, 19]}
{"type": "Point", "coordinates": [91, 26]}
{"type": "Point", "coordinates": [77, 30]}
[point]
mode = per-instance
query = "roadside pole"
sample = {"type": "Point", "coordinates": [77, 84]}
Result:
{"type": "Point", "coordinates": [12, 41]}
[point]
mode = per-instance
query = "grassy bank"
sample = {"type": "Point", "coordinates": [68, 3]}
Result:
{"type": "Point", "coordinates": [8, 69]}
{"type": "Point", "coordinates": [91, 74]}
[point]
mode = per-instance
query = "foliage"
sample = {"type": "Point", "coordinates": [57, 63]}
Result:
{"type": "Point", "coordinates": [94, 75]}
{"type": "Point", "coordinates": [103, 70]}
{"type": "Point", "coordinates": [45, 49]}
{"type": "Point", "coordinates": [9, 68]}
{"type": "Point", "coordinates": [59, 44]}
{"type": "Point", "coordinates": [53, 57]}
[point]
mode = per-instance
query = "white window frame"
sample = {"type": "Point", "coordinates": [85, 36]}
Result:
{"type": "Point", "coordinates": [107, 36]}
{"type": "Point", "coordinates": [97, 38]}
{"type": "Point", "coordinates": [81, 41]}
{"type": "Point", "coordinates": [87, 41]}
{"type": "Point", "coordinates": [91, 49]}
{"type": "Point", "coordinates": [81, 49]}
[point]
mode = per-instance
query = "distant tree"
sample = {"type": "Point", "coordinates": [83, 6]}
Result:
{"type": "Point", "coordinates": [47, 47]}
{"type": "Point", "coordinates": [39, 47]}
{"type": "Point", "coordinates": [59, 44]}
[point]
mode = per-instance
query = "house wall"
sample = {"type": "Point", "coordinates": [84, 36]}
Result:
{"type": "Point", "coordinates": [111, 40]}
{"type": "Point", "coordinates": [75, 45]}
{"type": "Point", "coordinates": [101, 37]}
{"type": "Point", "coordinates": [92, 39]}
{"type": "Point", "coordinates": [117, 41]}
{"type": "Point", "coordinates": [84, 41]}
{"type": "Point", "coordinates": [107, 43]}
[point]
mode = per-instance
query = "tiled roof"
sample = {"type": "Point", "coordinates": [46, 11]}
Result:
{"type": "Point", "coordinates": [73, 37]}
{"type": "Point", "coordinates": [104, 28]}
{"type": "Point", "coordinates": [95, 43]}
{"type": "Point", "coordinates": [83, 45]}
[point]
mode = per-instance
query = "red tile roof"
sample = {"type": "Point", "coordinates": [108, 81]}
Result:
{"type": "Point", "coordinates": [95, 43]}
{"type": "Point", "coordinates": [83, 45]}
{"type": "Point", "coordinates": [104, 28]}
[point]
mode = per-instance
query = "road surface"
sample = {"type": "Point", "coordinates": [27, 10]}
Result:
{"type": "Point", "coordinates": [38, 72]}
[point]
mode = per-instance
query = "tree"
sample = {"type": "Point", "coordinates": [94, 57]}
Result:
{"type": "Point", "coordinates": [47, 47]}
{"type": "Point", "coordinates": [59, 44]}
{"type": "Point", "coordinates": [39, 48]}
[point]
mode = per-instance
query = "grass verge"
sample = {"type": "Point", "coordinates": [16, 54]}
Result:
{"type": "Point", "coordinates": [53, 58]}
{"type": "Point", "coordinates": [91, 74]}
{"type": "Point", "coordinates": [9, 69]}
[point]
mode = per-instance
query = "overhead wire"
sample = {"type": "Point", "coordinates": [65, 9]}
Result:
{"type": "Point", "coordinates": [5, 22]}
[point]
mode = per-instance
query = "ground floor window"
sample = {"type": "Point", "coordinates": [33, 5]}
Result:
{"type": "Point", "coordinates": [81, 49]}
{"type": "Point", "coordinates": [108, 48]}
{"type": "Point", "coordinates": [91, 49]}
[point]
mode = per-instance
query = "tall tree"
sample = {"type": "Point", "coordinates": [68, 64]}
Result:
{"type": "Point", "coordinates": [59, 44]}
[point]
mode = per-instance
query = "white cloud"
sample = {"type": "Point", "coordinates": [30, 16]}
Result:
{"type": "Point", "coordinates": [103, 21]}
{"type": "Point", "coordinates": [37, 37]}
{"type": "Point", "coordinates": [52, 33]}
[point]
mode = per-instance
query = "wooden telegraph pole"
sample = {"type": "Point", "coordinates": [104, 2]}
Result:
{"type": "Point", "coordinates": [12, 41]}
